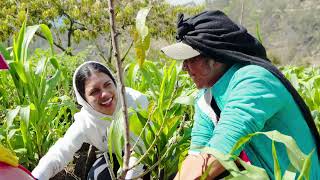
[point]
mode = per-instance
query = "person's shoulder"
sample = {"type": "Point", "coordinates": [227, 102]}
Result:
{"type": "Point", "coordinates": [135, 98]}
{"type": "Point", "coordinates": [199, 94]}
{"type": "Point", "coordinates": [257, 76]}
{"type": "Point", "coordinates": [254, 71]}
{"type": "Point", "coordinates": [133, 93]}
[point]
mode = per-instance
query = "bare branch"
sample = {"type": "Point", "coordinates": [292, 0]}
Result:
{"type": "Point", "coordinates": [122, 89]}
{"type": "Point", "coordinates": [125, 55]}
{"type": "Point", "coordinates": [242, 9]}
{"type": "Point", "coordinates": [56, 44]}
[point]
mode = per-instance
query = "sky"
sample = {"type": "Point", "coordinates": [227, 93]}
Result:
{"type": "Point", "coordinates": [179, 2]}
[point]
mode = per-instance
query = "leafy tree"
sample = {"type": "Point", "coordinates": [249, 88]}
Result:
{"type": "Point", "coordinates": [73, 21]}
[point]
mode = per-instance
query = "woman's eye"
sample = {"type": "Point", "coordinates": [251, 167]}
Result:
{"type": "Point", "coordinates": [94, 92]}
{"type": "Point", "coordinates": [107, 84]}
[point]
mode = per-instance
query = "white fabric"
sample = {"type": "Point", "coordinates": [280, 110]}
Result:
{"type": "Point", "coordinates": [204, 104]}
{"type": "Point", "coordinates": [88, 127]}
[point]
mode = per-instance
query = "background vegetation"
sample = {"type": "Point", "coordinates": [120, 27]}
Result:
{"type": "Point", "coordinates": [36, 97]}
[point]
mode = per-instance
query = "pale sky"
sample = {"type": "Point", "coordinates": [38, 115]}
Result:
{"type": "Point", "coordinates": [175, 2]}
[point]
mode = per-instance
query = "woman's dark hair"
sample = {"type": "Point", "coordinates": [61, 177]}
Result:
{"type": "Point", "coordinates": [86, 71]}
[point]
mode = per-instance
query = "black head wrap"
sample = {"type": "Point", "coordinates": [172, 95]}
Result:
{"type": "Point", "coordinates": [214, 35]}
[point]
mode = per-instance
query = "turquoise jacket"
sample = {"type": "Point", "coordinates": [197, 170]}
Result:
{"type": "Point", "coordinates": [251, 99]}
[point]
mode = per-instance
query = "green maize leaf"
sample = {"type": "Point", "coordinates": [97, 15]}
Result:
{"type": "Point", "coordinates": [4, 52]}
{"type": "Point", "coordinates": [12, 113]}
{"type": "Point", "coordinates": [139, 150]}
{"type": "Point", "coordinates": [24, 132]}
{"type": "Point", "coordinates": [253, 172]}
{"type": "Point", "coordinates": [141, 36]}
{"type": "Point", "coordinates": [143, 121]}
{"type": "Point", "coordinates": [171, 84]}
{"type": "Point", "coordinates": [20, 71]}
{"type": "Point", "coordinates": [276, 165]}
{"type": "Point", "coordinates": [11, 133]}
{"type": "Point", "coordinates": [40, 66]}
{"type": "Point", "coordinates": [54, 62]}
{"type": "Point", "coordinates": [47, 33]}
{"type": "Point", "coordinates": [294, 153]}
{"type": "Point", "coordinates": [305, 172]}
{"type": "Point", "coordinates": [163, 88]}
{"type": "Point", "coordinates": [130, 75]}
{"type": "Point", "coordinates": [316, 96]}
{"type": "Point", "coordinates": [147, 77]}
{"type": "Point", "coordinates": [258, 32]}
{"type": "Point", "coordinates": [135, 124]}
{"type": "Point", "coordinates": [117, 134]}
{"type": "Point", "coordinates": [141, 21]}
{"type": "Point", "coordinates": [242, 141]}
{"type": "Point", "coordinates": [155, 70]}
{"type": "Point", "coordinates": [17, 46]}
{"type": "Point", "coordinates": [294, 81]}
{"type": "Point", "coordinates": [173, 125]}
{"type": "Point", "coordinates": [20, 151]}
{"type": "Point", "coordinates": [25, 114]}
{"type": "Point", "coordinates": [146, 42]}
{"type": "Point", "coordinates": [50, 85]}
{"type": "Point", "coordinates": [30, 31]}
{"type": "Point", "coordinates": [110, 142]}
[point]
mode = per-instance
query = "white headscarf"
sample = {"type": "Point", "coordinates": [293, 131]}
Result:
{"type": "Point", "coordinates": [86, 107]}
{"type": "Point", "coordinates": [87, 113]}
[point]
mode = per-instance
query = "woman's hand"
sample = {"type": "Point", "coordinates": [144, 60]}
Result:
{"type": "Point", "coordinates": [194, 166]}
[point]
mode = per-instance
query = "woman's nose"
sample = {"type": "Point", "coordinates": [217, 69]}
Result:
{"type": "Point", "coordinates": [105, 93]}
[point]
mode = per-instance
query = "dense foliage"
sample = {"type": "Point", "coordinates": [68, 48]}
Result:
{"type": "Point", "coordinates": [37, 105]}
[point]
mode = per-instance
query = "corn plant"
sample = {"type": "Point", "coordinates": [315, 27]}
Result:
{"type": "Point", "coordinates": [37, 117]}
{"type": "Point", "coordinates": [307, 81]}
{"type": "Point", "coordinates": [163, 130]}
{"type": "Point", "coordinates": [299, 167]}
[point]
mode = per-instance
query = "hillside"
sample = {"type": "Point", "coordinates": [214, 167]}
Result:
{"type": "Point", "coordinates": [290, 29]}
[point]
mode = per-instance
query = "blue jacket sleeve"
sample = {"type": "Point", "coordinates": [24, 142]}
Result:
{"type": "Point", "coordinates": [202, 130]}
{"type": "Point", "coordinates": [255, 95]}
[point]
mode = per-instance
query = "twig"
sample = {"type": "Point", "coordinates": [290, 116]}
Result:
{"type": "Point", "coordinates": [125, 55]}
{"type": "Point", "coordinates": [144, 127]}
{"type": "Point", "coordinates": [110, 50]}
{"type": "Point", "coordinates": [122, 89]}
{"type": "Point", "coordinates": [56, 44]}
{"type": "Point", "coordinates": [242, 9]}
{"type": "Point", "coordinates": [151, 146]}
{"type": "Point", "coordinates": [106, 157]}
{"type": "Point", "coordinates": [165, 154]}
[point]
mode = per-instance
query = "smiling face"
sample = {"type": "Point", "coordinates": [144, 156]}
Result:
{"type": "Point", "coordinates": [203, 71]}
{"type": "Point", "coordinates": [100, 93]}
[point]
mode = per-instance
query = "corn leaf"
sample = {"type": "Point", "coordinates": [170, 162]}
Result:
{"type": "Point", "coordinates": [276, 165]}
{"type": "Point", "coordinates": [11, 115]}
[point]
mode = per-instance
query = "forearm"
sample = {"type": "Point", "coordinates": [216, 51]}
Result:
{"type": "Point", "coordinates": [194, 166]}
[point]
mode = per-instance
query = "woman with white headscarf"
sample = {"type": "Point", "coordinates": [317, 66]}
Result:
{"type": "Point", "coordinates": [96, 91]}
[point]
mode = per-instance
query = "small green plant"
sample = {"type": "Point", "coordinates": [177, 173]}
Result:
{"type": "Point", "coordinates": [307, 82]}
{"type": "Point", "coordinates": [163, 130]}
{"type": "Point", "coordinates": [36, 118]}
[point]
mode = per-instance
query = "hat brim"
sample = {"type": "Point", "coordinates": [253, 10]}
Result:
{"type": "Point", "coordinates": [180, 51]}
